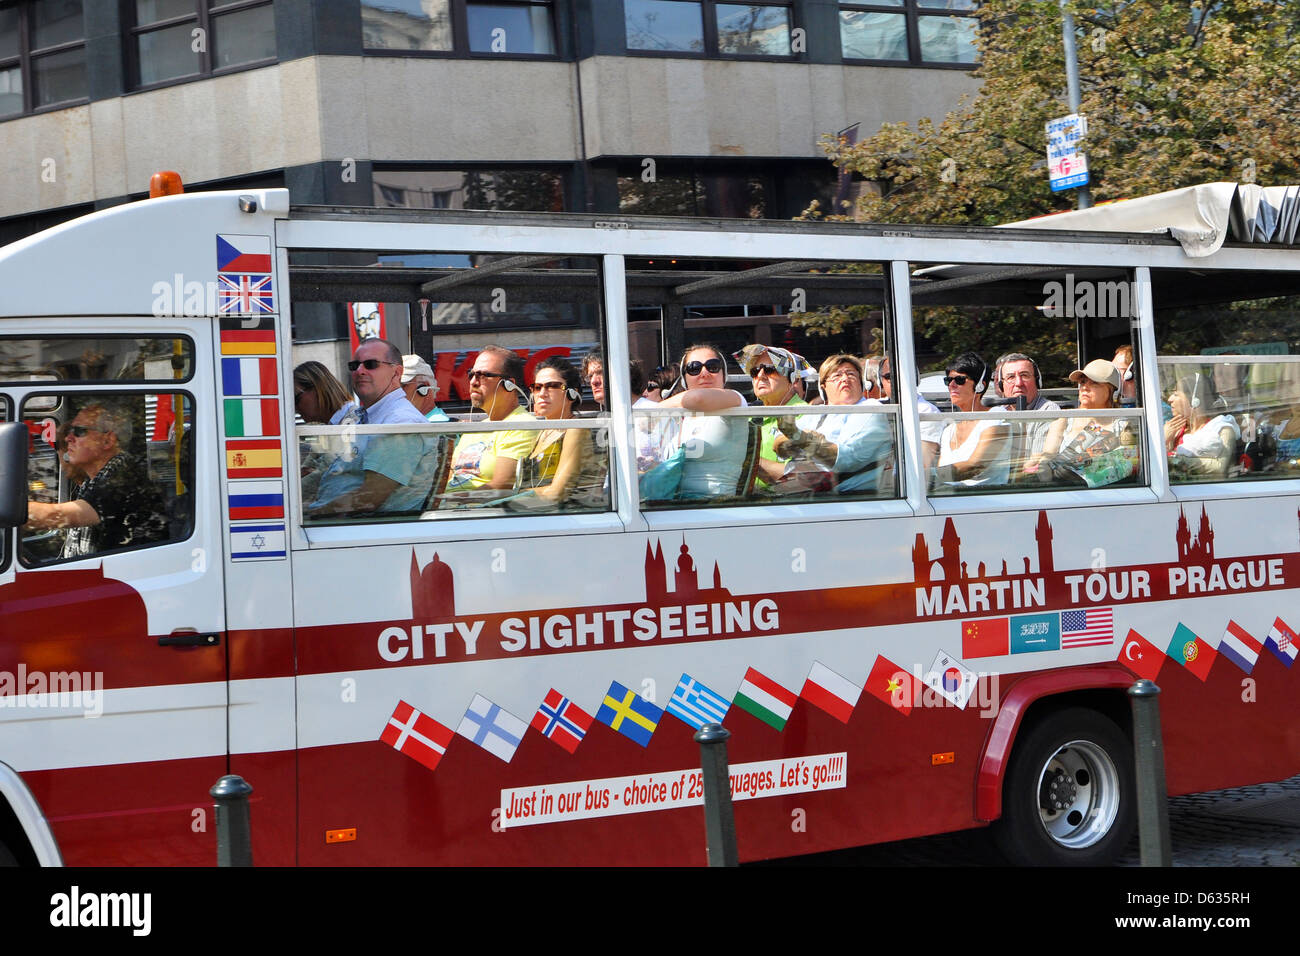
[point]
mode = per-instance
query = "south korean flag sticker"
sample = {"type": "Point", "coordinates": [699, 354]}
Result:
{"type": "Point", "coordinates": [951, 680]}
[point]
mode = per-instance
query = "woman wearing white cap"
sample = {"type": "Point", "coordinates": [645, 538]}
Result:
{"type": "Point", "coordinates": [1071, 441]}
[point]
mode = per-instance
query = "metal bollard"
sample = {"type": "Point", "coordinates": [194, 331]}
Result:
{"type": "Point", "coordinates": [719, 824]}
{"type": "Point", "coordinates": [1149, 766]}
{"type": "Point", "coordinates": [234, 835]}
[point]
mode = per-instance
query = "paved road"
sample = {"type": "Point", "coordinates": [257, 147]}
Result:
{"type": "Point", "coordinates": [1247, 826]}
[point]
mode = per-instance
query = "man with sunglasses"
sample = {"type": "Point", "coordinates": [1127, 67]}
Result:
{"type": "Point", "coordinates": [385, 474]}
{"type": "Point", "coordinates": [489, 460]}
{"type": "Point", "coordinates": [113, 506]}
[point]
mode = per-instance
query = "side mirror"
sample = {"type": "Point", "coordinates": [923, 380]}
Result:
{"type": "Point", "coordinates": [13, 474]}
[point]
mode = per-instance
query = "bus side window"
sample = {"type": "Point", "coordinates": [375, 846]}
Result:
{"type": "Point", "coordinates": [1229, 375]}
{"type": "Point", "coordinates": [113, 472]}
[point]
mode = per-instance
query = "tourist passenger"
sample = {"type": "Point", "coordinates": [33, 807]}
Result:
{"type": "Point", "coordinates": [114, 505]}
{"type": "Point", "coordinates": [488, 460]}
{"type": "Point", "coordinates": [1200, 440]}
{"type": "Point", "coordinates": [421, 388]}
{"type": "Point", "coordinates": [320, 398]}
{"type": "Point", "coordinates": [972, 452]}
{"type": "Point", "coordinates": [1123, 362]}
{"type": "Point", "coordinates": [931, 431]}
{"type": "Point", "coordinates": [386, 474]}
{"type": "Point", "coordinates": [593, 373]}
{"type": "Point", "coordinates": [1096, 451]}
{"type": "Point", "coordinates": [774, 374]}
{"type": "Point", "coordinates": [854, 447]}
{"type": "Point", "coordinates": [713, 447]}
{"type": "Point", "coordinates": [1019, 378]}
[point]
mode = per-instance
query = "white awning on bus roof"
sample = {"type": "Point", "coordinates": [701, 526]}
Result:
{"type": "Point", "coordinates": [1201, 217]}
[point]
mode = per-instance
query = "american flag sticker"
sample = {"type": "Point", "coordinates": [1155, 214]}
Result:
{"type": "Point", "coordinates": [1095, 626]}
{"type": "Point", "coordinates": [257, 542]}
{"type": "Point", "coordinates": [243, 295]}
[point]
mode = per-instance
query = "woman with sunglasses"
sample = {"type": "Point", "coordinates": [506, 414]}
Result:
{"type": "Point", "coordinates": [564, 464]}
{"type": "Point", "coordinates": [976, 452]}
{"type": "Point", "coordinates": [320, 398]}
{"type": "Point", "coordinates": [715, 446]}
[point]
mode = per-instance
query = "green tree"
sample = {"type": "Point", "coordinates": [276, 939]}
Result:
{"type": "Point", "coordinates": [1176, 93]}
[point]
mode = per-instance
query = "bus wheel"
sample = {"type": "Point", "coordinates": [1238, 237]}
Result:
{"type": "Point", "coordinates": [7, 858]}
{"type": "Point", "coordinates": [1068, 797]}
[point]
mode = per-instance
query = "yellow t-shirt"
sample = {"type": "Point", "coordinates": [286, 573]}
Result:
{"type": "Point", "coordinates": [474, 462]}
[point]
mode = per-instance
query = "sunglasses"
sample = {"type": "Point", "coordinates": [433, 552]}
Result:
{"type": "Point", "coordinates": [370, 364]}
{"type": "Point", "coordinates": [955, 379]}
{"type": "Point", "coordinates": [694, 368]}
{"type": "Point", "coordinates": [538, 387]}
{"type": "Point", "coordinates": [477, 374]}
{"type": "Point", "coordinates": [80, 431]}
{"type": "Point", "coordinates": [758, 370]}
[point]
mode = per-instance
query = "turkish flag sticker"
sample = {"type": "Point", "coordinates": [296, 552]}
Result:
{"type": "Point", "coordinates": [1141, 656]}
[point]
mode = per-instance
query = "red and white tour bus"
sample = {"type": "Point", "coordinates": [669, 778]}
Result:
{"type": "Point", "coordinates": [458, 673]}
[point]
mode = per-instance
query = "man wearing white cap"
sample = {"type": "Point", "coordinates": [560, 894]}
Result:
{"type": "Point", "coordinates": [421, 388]}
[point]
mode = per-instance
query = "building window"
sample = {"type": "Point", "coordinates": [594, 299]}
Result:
{"type": "Point", "coordinates": [502, 28]}
{"type": "Point", "coordinates": [513, 189]}
{"type": "Point", "coordinates": [708, 27]}
{"type": "Point", "coordinates": [174, 39]}
{"type": "Point", "coordinates": [928, 32]}
{"type": "Point", "coordinates": [42, 56]}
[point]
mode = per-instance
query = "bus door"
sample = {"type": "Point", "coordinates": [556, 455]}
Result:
{"type": "Point", "coordinates": [112, 624]}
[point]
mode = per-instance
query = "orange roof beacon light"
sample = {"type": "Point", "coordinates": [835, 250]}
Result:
{"type": "Point", "coordinates": [165, 183]}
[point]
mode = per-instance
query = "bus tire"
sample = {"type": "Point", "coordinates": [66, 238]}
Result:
{"type": "Point", "coordinates": [7, 858]}
{"type": "Point", "coordinates": [1069, 796]}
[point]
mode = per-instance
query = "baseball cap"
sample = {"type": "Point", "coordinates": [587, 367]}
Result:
{"type": "Point", "coordinates": [1098, 370]}
{"type": "Point", "coordinates": [413, 365]}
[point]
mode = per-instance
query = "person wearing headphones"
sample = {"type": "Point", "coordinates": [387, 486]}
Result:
{"type": "Point", "coordinates": [1099, 451]}
{"type": "Point", "coordinates": [1200, 441]}
{"type": "Point", "coordinates": [1018, 377]}
{"type": "Point", "coordinates": [489, 460]}
{"type": "Point", "coordinates": [1123, 362]}
{"type": "Point", "coordinates": [853, 447]}
{"type": "Point", "coordinates": [564, 464]}
{"type": "Point", "coordinates": [774, 372]}
{"type": "Point", "coordinates": [974, 452]}
{"type": "Point", "coordinates": [931, 432]}
{"type": "Point", "coordinates": [714, 446]}
{"type": "Point", "coordinates": [387, 474]}
{"type": "Point", "coordinates": [421, 388]}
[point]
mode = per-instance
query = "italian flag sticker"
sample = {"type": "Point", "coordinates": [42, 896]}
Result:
{"type": "Point", "coordinates": [252, 418]}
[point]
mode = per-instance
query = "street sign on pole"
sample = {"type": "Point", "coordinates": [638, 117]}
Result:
{"type": "Point", "coordinates": [1067, 163]}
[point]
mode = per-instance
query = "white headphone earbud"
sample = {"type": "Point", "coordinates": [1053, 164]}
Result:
{"type": "Point", "coordinates": [423, 389]}
{"type": "Point", "coordinates": [510, 386]}
{"type": "Point", "coordinates": [573, 394]}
